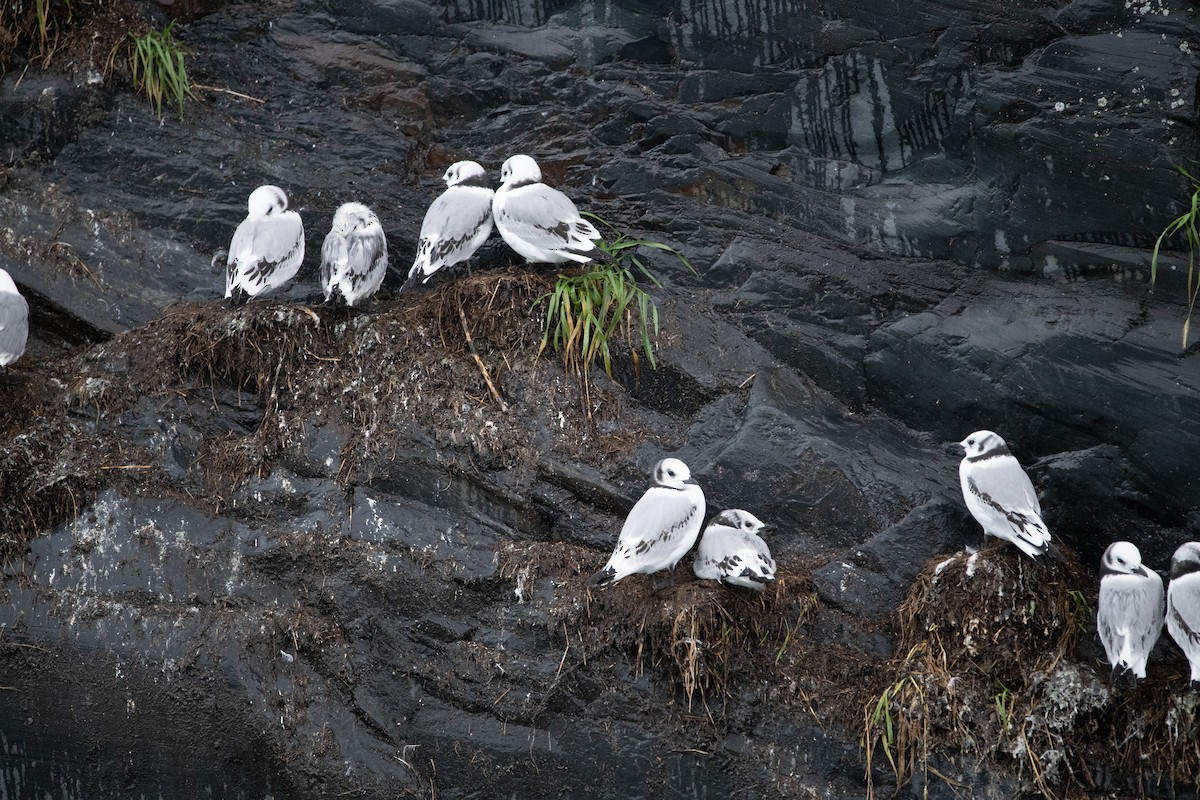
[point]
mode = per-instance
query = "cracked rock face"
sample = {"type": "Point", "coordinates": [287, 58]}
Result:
{"type": "Point", "coordinates": [359, 575]}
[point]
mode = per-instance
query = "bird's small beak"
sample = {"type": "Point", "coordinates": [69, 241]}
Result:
{"type": "Point", "coordinates": [767, 527]}
{"type": "Point", "coordinates": [954, 448]}
{"type": "Point", "coordinates": [692, 481]}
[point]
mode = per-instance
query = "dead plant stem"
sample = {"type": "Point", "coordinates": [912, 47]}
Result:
{"type": "Point", "coordinates": [479, 361]}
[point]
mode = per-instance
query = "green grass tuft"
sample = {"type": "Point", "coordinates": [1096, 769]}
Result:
{"type": "Point", "coordinates": [1186, 222]}
{"type": "Point", "coordinates": [584, 313]}
{"type": "Point", "coordinates": [156, 62]}
{"type": "Point", "coordinates": [1081, 610]}
{"type": "Point", "coordinates": [42, 7]}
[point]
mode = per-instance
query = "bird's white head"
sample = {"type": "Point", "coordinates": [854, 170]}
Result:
{"type": "Point", "coordinates": [1186, 559]}
{"type": "Point", "coordinates": [981, 442]}
{"type": "Point", "coordinates": [267, 200]}
{"type": "Point", "coordinates": [353, 216]}
{"type": "Point", "coordinates": [520, 168]}
{"type": "Point", "coordinates": [1124, 558]}
{"type": "Point", "coordinates": [461, 171]}
{"type": "Point", "coordinates": [672, 473]}
{"type": "Point", "coordinates": [741, 520]}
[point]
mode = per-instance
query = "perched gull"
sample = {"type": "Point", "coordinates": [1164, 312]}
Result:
{"type": "Point", "coordinates": [1000, 495]}
{"type": "Point", "coordinates": [540, 223]}
{"type": "Point", "coordinates": [660, 528]}
{"type": "Point", "coordinates": [14, 321]}
{"type": "Point", "coordinates": [456, 224]}
{"type": "Point", "coordinates": [267, 248]}
{"type": "Point", "coordinates": [1129, 615]}
{"type": "Point", "coordinates": [1183, 604]}
{"type": "Point", "coordinates": [731, 551]}
{"type": "Point", "coordinates": [354, 257]}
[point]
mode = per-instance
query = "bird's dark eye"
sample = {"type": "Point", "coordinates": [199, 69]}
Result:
{"type": "Point", "coordinates": [671, 472]}
{"type": "Point", "coordinates": [970, 441]}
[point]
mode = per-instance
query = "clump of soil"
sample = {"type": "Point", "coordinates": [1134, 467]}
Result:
{"type": "Point", "coordinates": [987, 668]}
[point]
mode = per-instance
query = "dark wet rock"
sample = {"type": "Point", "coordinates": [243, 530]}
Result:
{"type": "Point", "coordinates": [874, 578]}
{"type": "Point", "coordinates": [1013, 344]}
{"type": "Point", "coordinates": [898, 237]}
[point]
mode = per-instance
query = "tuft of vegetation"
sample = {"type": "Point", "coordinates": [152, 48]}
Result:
{"type": "Point", "coordinates": [989, 672]}
{"type": "Point", "coordinates": [156, 64]}
{"type": "Point", "coordinates": [36, 28]}
{"type": "Point", "coordinates": [707, 640]}
{"type": "Point", "coordinates": [889, 724]}
{"type": "Point", "coordinates": [1082, 610]}
{"type": "Point", "coordinates": [43, 9]}
{"type": "Point", "coordinates": [1186, 222]}
{"type": "Point", "coordinates": [67, 34]}
{"type": "Point", "coordinates": [585, 312]}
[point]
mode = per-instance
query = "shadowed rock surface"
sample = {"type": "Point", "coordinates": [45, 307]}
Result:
{"type": "Point", "coordinates": [272, 552]}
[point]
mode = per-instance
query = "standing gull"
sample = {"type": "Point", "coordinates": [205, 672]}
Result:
{"type": "Point", "coordinates": [456, 224]}
{"type": "Point", "coordinates": [661, 527]}
{"type": "Point", "coordinates": [1183, 604]}
{"type": "Point", "coordinates": [731, 551]}
{"type": "Point", "coordinates": [540, 223]}
{"type": "Point", "coordinates": [14, 321]}
{"type": "Point", "coordinates": [1000, 495]}
{"type": "Point", "coordinates": [267, 248]}
{"type": "Point", "coordinates": [354, 256]}
{"type": "Point", "coordinates": [1129, 614]}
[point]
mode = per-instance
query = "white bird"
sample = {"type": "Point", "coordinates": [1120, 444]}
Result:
{"type": "Point", "coordinates": [354, 257]}
{"type": "Point", "coordinates": [1000, 495]}
{"type": "Point", "coordinates": [456, 224]}
{"type": "Point", "coordinates": [267, 248]}
{"type": "Point", "coordinates": [731, 551]}
{"type": "Point", "coordinates": [1183, 604]}
{"type": "Point", "coordinates": [540, 223]}
{"type": "Point", "coordinates": [14, 321]}
{"type": "Point", "coordinates": [661, 527]}
{"type": "Point", "coordinates": [1129, 614]}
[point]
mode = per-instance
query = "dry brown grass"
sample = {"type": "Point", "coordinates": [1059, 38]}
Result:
{"type": "Point", "coordinates": [707, 639]}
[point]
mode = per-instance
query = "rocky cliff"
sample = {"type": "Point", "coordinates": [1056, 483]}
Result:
{"type": "Point", "coordinates": [294, 551]}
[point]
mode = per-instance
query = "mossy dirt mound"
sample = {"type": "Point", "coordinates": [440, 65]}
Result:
{"type": "Point", "coordinates": [993, 669]}
{"type": "Point", "coordinates": [708, 641]}
{"type": "Point", "coordinates": [457, 365]}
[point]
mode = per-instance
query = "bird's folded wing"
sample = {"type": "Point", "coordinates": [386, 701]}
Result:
{"type": "Point", "coordinates": [333, 256]}
{"type": "Point", "coordinates": [657, 522]}
{"type": "Point", "coordinates": [545, 218]}
{"type": "Point", "coordinates": [278, 238]}
{"type": "Point", "coordinates": [1185, 610]}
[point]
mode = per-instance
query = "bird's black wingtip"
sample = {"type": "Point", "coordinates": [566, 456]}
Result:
{"type": "Point", "coordinates": [603, 577]}
{"type": "Point", "coordinates": [1054, 554]}
{"type": "Point", "coordinates": [239, 297]}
